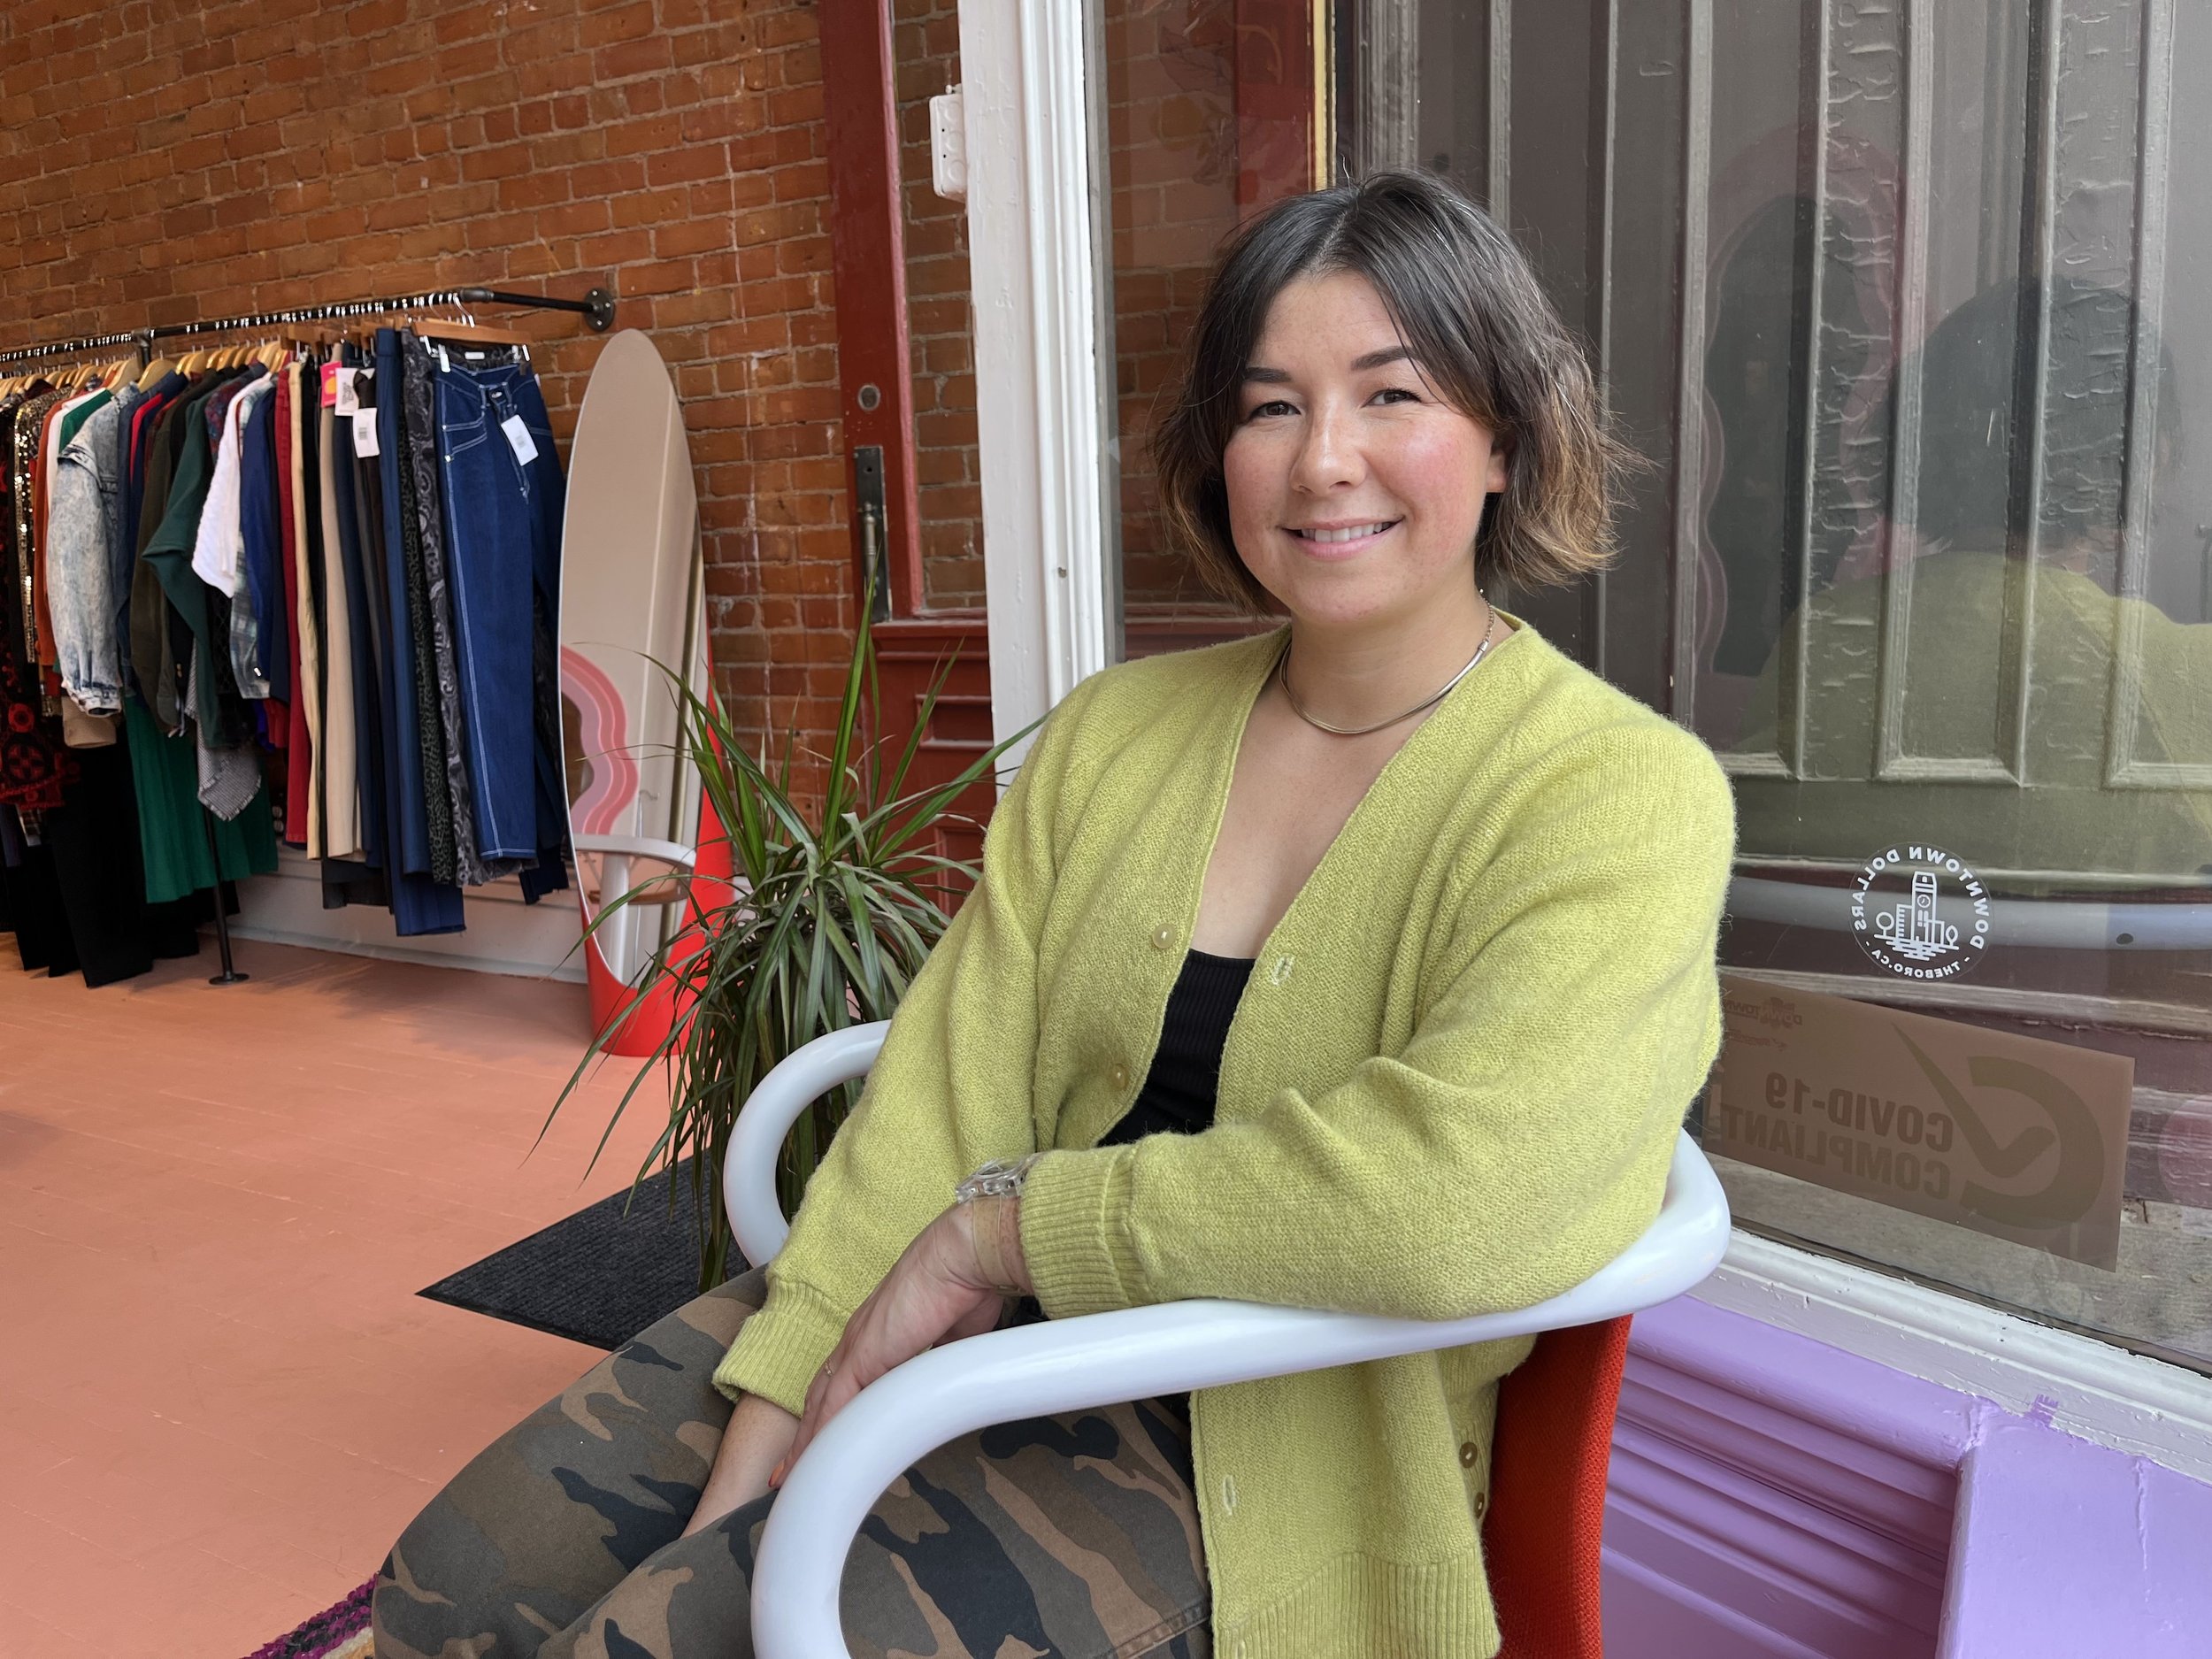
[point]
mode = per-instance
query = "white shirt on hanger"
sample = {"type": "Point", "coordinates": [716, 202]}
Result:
{"type": "Point", "coordinates": [219, 549]}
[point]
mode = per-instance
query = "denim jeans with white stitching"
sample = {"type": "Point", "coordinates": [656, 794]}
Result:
{"type": "Point", "coordinates": [497, 509]}
{"type": "Point", "coordinates": [80, 568]}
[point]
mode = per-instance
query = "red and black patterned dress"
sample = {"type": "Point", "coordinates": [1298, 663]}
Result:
{"type": "Point", "coordinates": [33, 765]}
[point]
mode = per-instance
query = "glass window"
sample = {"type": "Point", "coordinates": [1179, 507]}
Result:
{"type": "Point", "coordinates": [1908, 309]}
{"type": "Point", "coordinates": [926, 47]}
{"type": "Point", "coordinates": [1214, 108]}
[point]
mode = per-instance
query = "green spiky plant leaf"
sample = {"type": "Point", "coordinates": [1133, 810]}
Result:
{"type": "Point", "coordinates": [831, 913]}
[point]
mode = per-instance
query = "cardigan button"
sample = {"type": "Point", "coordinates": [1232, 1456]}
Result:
{"type": "Point", "coordinates": [1467, 1454]}
{"type": "Point", "coordinates": [1162, 936]}
{"type": "Point", "coordinates": [1482, 1505]}
{"type": "Point", "coordinates": [1120, 1077]}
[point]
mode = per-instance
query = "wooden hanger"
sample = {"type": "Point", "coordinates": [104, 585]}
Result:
{"type": "Point", "coordinates": [151, 376]}
{"type": "Point", "coordinates": [432, 328]}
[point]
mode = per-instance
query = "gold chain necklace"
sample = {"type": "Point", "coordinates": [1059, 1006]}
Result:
{"type": "Point", "coordinates": [1282, 674]}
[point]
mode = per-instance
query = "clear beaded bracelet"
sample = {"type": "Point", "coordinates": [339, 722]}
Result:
{"type": "Point", "coordinates": [1001, 1178]}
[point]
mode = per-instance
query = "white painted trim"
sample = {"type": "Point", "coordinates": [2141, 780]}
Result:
{"type": "Point", "coordinates": [1038, 361]}
{"type": "Point", "coordinates": [503, 935]}
{"type": "Point", "coordinates": [2090, 1389]}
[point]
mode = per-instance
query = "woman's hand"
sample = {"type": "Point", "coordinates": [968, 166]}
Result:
{"type": "Point", "coordinates": [936, 1293]}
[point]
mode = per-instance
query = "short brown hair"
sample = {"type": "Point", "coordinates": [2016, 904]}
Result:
{"type": "Point", "coordinates": [1465, 298]}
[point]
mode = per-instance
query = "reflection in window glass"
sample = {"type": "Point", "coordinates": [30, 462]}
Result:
{"type": "Point", "coordinates": [1936, 395]}
{"type": "Point", "coordinates": [1211, 115]}
{"type": "Point", "coordinates": [1909, 307]}
{"type": "Point", "coordinates": [925, 43]}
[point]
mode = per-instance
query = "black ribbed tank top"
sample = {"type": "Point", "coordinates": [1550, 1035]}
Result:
{"type": "Point", "coordinates": [1179, 1093]}
{"type": "Point", "coordinates": [1177, 1096]}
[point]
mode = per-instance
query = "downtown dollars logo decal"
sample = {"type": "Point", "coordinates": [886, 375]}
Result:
{"type": "Point", "coordinates": [1920, 912]}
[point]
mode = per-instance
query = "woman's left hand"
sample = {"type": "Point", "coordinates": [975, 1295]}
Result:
{"type": "Point", "coordinates": [934, 1294]}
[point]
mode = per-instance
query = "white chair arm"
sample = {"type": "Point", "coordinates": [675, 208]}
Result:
{"type": "Point", "coordinates": [748, 1166]}
{"type": "Point", "coordinates": [1067, 1365]}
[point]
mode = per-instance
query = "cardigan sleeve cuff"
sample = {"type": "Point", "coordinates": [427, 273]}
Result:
{"type": "Point", "coordinates": [1075, 1234]}
{"type": "Point", "coordinates": [779, 1349]}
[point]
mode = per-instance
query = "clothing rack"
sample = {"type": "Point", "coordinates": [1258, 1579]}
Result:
{"type": "Point", "coordinates": [596, 308]}
{"type": "Point", "coordinates": [63, 348]}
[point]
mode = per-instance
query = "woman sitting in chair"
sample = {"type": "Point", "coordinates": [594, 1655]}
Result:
{"type": "Point", "coordinates": [1365, 965]}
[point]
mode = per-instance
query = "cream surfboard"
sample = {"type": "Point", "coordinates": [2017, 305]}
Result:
{"type": "Point", "coordinates": [631, 597]}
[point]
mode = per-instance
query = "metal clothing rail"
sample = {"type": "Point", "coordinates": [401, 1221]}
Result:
{"type": "Point", "coordinates": [63, 348]}
{"type": "Point", "coordinates": [596, 308]}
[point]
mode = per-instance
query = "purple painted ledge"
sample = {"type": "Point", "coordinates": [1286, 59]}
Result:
{"type": "Point", "coordinates": [1776, 1498]}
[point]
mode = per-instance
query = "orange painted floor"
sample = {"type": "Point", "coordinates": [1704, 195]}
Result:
{"type": "Point", "coordinates": [220, 1399]}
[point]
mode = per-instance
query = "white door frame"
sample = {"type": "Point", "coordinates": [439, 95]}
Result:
{"type": "Point", "coordinates": [1043, 358]}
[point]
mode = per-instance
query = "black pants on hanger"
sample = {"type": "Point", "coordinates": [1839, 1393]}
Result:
{"type": "Point", "coordinates": [79, 896]}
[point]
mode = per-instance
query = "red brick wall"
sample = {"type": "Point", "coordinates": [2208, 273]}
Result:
{"type": "Point", "coordinates": [164, 162]}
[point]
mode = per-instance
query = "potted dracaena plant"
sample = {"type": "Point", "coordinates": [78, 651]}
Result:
{"type": "Point", "coordinates": [830, 914]}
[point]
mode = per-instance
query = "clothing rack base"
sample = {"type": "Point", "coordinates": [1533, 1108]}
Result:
{"type": "Point", "coordinates": [230, 974]}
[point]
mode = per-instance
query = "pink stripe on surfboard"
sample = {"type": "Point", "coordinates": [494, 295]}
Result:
{"type": "Point", "coordinates": [605, 741]}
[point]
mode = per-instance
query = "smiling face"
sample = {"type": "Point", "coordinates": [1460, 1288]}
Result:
{"type": "Point", "coordinates": [1354, 490]}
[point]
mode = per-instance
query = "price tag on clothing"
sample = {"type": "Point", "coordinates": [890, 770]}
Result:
{"type": "Point", "coordinates": [518, 436]}
{"type": "Point", "coordinates": [365, 433]}
{"type": "Point", "coordinates": [330, 385]}
{"type": "Point", "coordinates": [343, 397]}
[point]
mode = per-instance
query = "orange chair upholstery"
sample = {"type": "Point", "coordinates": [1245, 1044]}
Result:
{"type": "Point", "coordinates": [1542, 1532]}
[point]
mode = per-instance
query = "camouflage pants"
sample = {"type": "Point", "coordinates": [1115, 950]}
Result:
{"type": "Point", "coordinates": [1074, 1536]}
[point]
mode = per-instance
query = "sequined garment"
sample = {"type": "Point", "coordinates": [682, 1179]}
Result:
{"type": "Point", "coordinates": [34, 765]}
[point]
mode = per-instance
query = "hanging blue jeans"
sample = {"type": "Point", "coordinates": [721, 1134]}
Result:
{"type": "Point", "coordinates": [418, 905]}
{"type": "Point", "coordinates": [399, 673]}
{"type": "Point", "coordinates": [503, 530]}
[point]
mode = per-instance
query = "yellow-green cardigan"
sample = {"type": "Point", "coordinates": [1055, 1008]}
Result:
{"type": "Point", "coordinates": [1452, 1086]}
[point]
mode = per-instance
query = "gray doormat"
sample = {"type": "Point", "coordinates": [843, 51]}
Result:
{"type": "Point", "coordinates": [597, 1277]}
